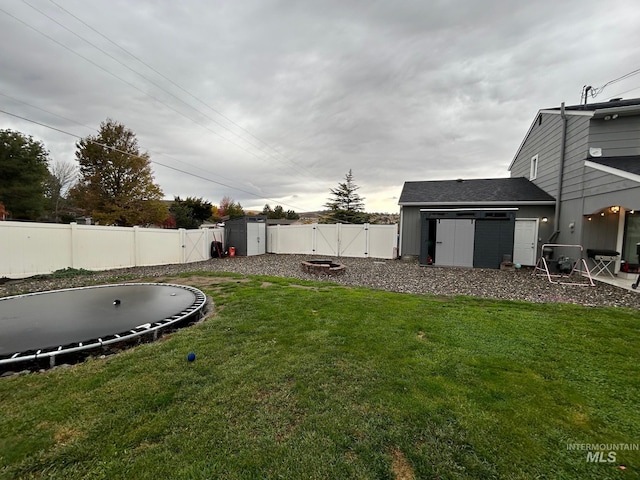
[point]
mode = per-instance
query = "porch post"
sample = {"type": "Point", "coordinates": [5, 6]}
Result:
{"type": "Point", "coordinates": [619, 241]}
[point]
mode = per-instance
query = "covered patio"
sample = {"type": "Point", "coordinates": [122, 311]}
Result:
{"type": "Point", "coordinates": [610, 236]}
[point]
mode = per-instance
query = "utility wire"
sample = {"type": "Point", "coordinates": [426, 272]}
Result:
{"type": "Point", "coordinates": [594, 92]}
{"type": "Point", "coordinates": [130, 84]}
{"type": "Point", "coordinates": [626, 91]}
{"type": "Point", "coordinates": [148, 159]}
{"type": "Point", "coordinates": [258, 147]}
{"type": "Point", "coordinates": [180, 88]}
{"type": "Point", "coordinates": [93, 130]}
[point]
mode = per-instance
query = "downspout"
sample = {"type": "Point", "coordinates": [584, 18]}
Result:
{"type": "Point", "coordinates": [556, 222]}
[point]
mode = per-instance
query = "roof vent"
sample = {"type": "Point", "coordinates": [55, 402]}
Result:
{"type": "Point", "coordinates": [617, 99]}
{"type": "Point", "coordinates": [459, 180]}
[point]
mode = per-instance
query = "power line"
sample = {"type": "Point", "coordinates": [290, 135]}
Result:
{"type": "Point", "coordinates": [626, 91]}
{"type": "Point", "coordinates": [180, 88]}
{"type": "Point", "coordinates": [260, 148]}
{"type": "Point", "coordinates": [588, 90]}
{"type": "Point", "coordinates": [253, 144]}
{"type": "Point", "coordinates": [130, 84]}
{"type": "Point", "coordinates": [152, 161]}
{"type": "Point", "coordinates": [93, 130]}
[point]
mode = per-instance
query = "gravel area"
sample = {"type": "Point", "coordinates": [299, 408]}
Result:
{"type": "Point", "coordinates": [391, 275]}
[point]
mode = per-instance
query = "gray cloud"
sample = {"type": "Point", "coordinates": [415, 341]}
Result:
{"type": "Point", "coordinates": [394, 91]}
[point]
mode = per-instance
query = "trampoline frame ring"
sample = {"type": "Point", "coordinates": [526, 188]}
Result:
{"type": "Point", "coordinates": [195, 308]}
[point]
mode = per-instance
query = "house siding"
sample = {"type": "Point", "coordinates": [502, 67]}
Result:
{"type": "Point", "coordinates": [575, 154]}
{"type": "Point", "coordinates": [597, 182]}
{"type": "Point", "coordinates": [627, 196]}
{"type": "Point", "coordinates": [616, 138]}
{"type": "Point", "coordinates": [546, 142]}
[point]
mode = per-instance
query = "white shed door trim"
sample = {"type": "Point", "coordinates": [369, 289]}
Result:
{"type": "Point", "coordinates": [525, 241]}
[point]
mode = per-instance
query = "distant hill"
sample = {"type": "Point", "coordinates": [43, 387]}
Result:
{"type": "Point", "coordinates": [377, 218]}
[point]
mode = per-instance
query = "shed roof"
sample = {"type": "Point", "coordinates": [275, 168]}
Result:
{"type": "Point", "coordinates": [489, 191]}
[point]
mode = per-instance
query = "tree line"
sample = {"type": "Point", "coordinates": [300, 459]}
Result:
{"type": "Point", "coordinates": [112, 182]}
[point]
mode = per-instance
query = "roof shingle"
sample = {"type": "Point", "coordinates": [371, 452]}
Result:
{"type": "Point", "coordinates": [477, 191]}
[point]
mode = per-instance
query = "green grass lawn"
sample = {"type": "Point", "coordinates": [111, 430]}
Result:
{"type": "Point", "coordinates": [307, 380]}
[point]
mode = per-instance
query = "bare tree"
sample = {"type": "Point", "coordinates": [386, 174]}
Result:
{"type": "Point", "coordinates": [62, 177]}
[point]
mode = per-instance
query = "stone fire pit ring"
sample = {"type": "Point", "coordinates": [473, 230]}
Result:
{"type": "Point", "coordinates": [323, 267]}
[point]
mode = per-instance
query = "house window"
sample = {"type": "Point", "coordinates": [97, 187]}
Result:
{"type": "Point", "coordinates": [533, 173]}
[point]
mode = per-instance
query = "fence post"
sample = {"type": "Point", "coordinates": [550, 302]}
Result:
{"type": "Point", "coordinates": [183, 246]}
{"type": "Point", "coordinates": [272, 238]}
{"type": "Point", "coordinates": [314, 239]}
{"type": "Point", "coordinates": [206, 248]}
{"type": "Point", "coordinates": [135, 245]}
{"type": "Point", "coordinates": [338, 238]}
{"type": "Point", "coordinates": [73, 243]}
{"type": "Point", "coordinates": [366, 240]}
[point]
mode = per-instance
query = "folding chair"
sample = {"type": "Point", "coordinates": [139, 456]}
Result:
{"type": "Point", "coordinates": [603, 259]}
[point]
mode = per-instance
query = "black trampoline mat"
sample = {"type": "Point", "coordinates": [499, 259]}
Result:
{"type": "Point", "coordinates": [50, 319]}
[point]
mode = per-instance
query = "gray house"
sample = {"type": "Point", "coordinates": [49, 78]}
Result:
{"type": "Point", "coordinates": [576, 180]}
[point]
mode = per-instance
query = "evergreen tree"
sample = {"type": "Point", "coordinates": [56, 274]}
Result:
{"type": "Point", "coordinates": [291, 215]}
{"type": "Point", "coordinates": [279, 213]}
{"type": "Point", "coordinates": [190, 213]}
{"type": "Point", "coordinates": [346, 205]}
{"type": "Point", "coordinates": [23, 175]}
{"type": "Point", "coordinates": [267, 211]}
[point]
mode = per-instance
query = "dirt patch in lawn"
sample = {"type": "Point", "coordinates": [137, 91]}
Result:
{"type": "Point", "coordinates": [400, 465]}
{"type": "Point", "coordinates": [200, 281]}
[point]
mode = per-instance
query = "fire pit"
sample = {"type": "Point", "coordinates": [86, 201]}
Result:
{"type": "Point", "coordinates": [323, 267]}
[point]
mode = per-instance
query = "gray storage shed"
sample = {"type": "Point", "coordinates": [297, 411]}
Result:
{"type": "Point", "coordinates": [248, 235]}
{"type": "Point", "coordinates": [474, 223]}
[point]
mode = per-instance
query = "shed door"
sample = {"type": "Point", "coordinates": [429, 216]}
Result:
{"type": "Point", "coordinates": [494, 240]}
{"type": "Point", "coordinates": [525, 241]}
{"type": "Point", "coordinates": [256, 234]}
{"type": "Point", "coordinates": [454, 242]}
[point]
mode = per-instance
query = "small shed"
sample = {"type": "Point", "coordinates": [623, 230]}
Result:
{"type": "Point", "coordinates": [248, 235]}
{"type": "Point", "coordinates": [474, 223]}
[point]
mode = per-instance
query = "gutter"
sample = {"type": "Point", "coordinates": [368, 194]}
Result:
{"type": "Point", "coordinates": [476, 204]}
{"type": "Point", "coordinates": [556, 222]}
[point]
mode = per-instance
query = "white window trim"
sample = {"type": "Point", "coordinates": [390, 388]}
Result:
{"type": "Point", "coordinates": [533, 170]}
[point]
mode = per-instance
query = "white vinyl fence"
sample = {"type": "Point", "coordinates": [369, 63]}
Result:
{"type": "Point", "coordinates": [28, 249]}
{"type": "Point", "coordinates": [334, 240]}
{"type": "Point", "coordinates": [38, 248]}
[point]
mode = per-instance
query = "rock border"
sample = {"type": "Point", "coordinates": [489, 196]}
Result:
{"type": "Point", "coordinates": [323, 267]}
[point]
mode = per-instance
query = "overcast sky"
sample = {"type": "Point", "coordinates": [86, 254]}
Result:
{"type": "Point", "coordinates": [277, 100]}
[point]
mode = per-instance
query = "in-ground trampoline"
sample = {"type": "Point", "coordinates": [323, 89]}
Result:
{"type": "Point", "coordinates": [40, 327]}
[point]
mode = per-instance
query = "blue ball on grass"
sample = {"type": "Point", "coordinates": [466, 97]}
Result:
{"type": "Point", "coordinates": [191, 357]}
